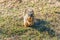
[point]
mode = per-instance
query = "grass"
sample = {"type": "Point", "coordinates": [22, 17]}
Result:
{"type": "Point", "coordinates": [11, 21]}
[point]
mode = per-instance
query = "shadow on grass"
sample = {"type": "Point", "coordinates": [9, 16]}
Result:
{"type": "Point", "coordinates": [40, 26]}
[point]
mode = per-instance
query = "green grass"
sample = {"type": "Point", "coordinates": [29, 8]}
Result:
{"type": "Point", "coordinates": [11, 22]}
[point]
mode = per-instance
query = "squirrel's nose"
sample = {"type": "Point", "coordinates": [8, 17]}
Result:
{"type": "Point", "coordinates": [30, 14]}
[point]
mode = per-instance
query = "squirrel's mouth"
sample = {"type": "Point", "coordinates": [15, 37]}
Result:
{"type": "Point", "coordinates": [30, 14]}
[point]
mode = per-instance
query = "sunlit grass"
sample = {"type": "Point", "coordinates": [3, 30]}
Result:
{"type": "Point", "coordinates": [11, 24]}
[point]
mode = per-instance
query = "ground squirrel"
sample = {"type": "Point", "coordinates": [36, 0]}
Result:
{"type": "Point", "coordinates": [29, 18]}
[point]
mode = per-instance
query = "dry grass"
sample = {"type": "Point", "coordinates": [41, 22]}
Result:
{"type": "Point", "coordinates": [46, 12]}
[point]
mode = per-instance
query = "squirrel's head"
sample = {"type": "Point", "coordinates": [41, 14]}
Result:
{"type": "Point", "coordinates": [30, 12]}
